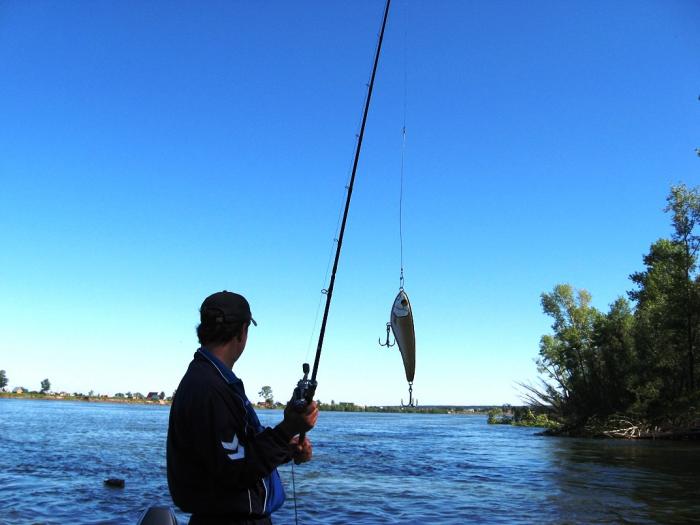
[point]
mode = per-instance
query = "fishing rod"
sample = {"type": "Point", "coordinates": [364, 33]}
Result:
{"type": "Point", "coordinates": [306, 388]}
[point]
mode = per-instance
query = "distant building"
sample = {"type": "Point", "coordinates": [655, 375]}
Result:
{"type": "Point", "coordinates": [18, 390]}
{"type": "Point", "coordinates": [153, 396]}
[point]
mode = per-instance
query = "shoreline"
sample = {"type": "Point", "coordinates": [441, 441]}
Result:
{"type": "Point", "coordinates": [85, 399]}
{"type": "Point", "coordinates": [339, 407]}
{"type": "Point", "coordinates": [600, 433]}
{"type": "Point", "coordinates": [632, 433]}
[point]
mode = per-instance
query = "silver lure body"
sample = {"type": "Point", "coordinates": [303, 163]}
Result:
{"type": "Point", "coordinates": [404, 334]}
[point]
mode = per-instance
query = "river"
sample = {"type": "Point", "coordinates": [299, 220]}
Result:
{"type": "Point", "coordinates": [367, 469]}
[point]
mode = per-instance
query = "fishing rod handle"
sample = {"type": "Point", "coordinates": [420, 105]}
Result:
{"type": "Point", "coordinates": [303, 395]}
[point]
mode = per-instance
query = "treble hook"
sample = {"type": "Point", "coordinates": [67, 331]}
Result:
{"type": "Point", "coordinates": [387, 343]}
{"type": "Point", "coordinates": [411, 403]}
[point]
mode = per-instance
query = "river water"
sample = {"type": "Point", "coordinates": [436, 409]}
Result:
{"type": "Point", "coordinates": [367, 469]}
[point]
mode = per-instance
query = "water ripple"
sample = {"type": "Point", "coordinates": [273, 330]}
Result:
{"type": "Point", "coordinates": [367, 469]}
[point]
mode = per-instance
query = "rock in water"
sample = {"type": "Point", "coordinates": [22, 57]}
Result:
{"type": "Point", "coordinates": [115, 482]}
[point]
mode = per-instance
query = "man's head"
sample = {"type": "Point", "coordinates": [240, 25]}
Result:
{"type": "Point", "coordinates": [224, 316]}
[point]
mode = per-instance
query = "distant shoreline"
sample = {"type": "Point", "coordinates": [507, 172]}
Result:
{"type": "Point", "coordinates": [87, 399]}
{"type": "Point", "coordinates": [334, 407]}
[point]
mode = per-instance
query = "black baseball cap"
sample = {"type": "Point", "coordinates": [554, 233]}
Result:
{"type": "Point", "coordinates": [225, 307]}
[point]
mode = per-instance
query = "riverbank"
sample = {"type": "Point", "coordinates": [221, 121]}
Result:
{"type": "Point", "coordinates": [627, 427]}
{"type": "Point", "coordinates": [521, 417]}
{"type": "Point", "coordinates": [91, 399]}
{"type": "Point", "coordinates": [681, 427]}
{"type": "Point", "coordinates": [332, 407]}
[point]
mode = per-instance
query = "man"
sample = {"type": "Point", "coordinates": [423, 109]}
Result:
{"type": "Point", "coordinates": [222, 463]}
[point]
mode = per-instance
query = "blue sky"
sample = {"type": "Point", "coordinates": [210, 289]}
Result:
{"type": "Point", "coordinates": [151, 154]}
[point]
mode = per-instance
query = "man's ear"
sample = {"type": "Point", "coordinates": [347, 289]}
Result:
{"type": "Point", "coordinates": [244, 331]}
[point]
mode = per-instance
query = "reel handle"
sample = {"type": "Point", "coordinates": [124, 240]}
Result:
{"type": "Point", "coordinates": [303, 394]}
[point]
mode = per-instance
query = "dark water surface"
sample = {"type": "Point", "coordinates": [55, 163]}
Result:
{"type": "Point", "coordinates": [367, 469]}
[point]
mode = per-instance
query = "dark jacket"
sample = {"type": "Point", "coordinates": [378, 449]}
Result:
{"type": "Point", "coordinates": [221, 461]}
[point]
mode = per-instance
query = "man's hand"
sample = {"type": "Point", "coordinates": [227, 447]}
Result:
{"type": "Point", "coordinates": [301, 453]}
{"type": "Point", "coordinates": [298, 422]}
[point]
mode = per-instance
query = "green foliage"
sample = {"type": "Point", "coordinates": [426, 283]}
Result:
{"type": "Point", "coordinates": [668, 309]}
{"type": "Point", "coordinates": [520, 416]}
{"type": "Point", "coordinates": [3, 379]}
{"type": "Point", "coordinates": [568, 358]}
{"type": "Point", "coordinates": [637, 360]}
{"type": "Point", "coordinates": [497, 417]}
{"type": "Point", "coordinates": [525, 417]}
{"type": "Point", "coordinates": [45, 386]}
{"type": "Point", "coordinates": [616, 353]}
{"type": "Point", "coordinates": [266, 394]}
{"type": "Point", "coordinates": [344, 406]}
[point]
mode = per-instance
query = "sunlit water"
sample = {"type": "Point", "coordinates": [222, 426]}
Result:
{"type": "Point", "coordinates": [367, 469]}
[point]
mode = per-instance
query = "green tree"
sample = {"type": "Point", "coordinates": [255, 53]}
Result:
{"type": "Point", "coordinates": [588, 362]}
{"type": "Point", "coordinates": [266, 394]}
{"type": "Point", "coordinates": [567, 357]}
{"type": "Point", "coordinates": [161, 396]}
{"type": "Point", "coordinates": [658, 319]}
{"type": "Point", "coordinates": [639, 361]}
{"type": "Point", "coordinates": [613, 340]}
{"type": "Point", "coordinates": [45, 386]}
{"type": "Point", "coordinates": [668, 310]}
{"type": "Point", "coordinates": [3, 379]}
{"type": "Point", "coordinates": [684, 205]}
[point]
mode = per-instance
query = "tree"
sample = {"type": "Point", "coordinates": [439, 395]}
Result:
{"type": "Point", "coordinates": [684, 204]}
{"type": "Point", "coordinates": [668, 309]}
{"type": "Point", "coordinates": [45, 386]}
{"type": "Point", "coordinates": [266, 394]}
{"type": "Point", "coordinates": [638, 361]}
{"type": "Point", "coordinates": [161, 396]}
{"type": "Point", "coordinates": [567, 356]}
{"type": "Point", "coordinates": [613, 340]}
{"type": "Point", "coordinates": [589, 361]}
{"type": "Point", "coordinates": [3, 379]}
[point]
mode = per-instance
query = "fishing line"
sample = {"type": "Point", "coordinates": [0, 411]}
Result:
{"type": "Point", "coordinates": [401, 317]}
{"type": "Point", "coordinates": [306, 388]}
{"type": "Point", "coordinates": [294, 490]}
{"type": "Point", "coordinates": [403, 152]}
{"type": "Point", "coordinates": [324, 288]}
{"type": "Point", "coordinates": [329, 295]}
{"type": "Point", "coordinates": [403, 138]}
